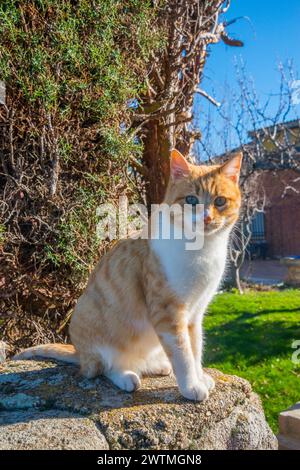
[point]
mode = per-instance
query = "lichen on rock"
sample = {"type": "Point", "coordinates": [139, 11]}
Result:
{"type": "Point", "coordinates": [154, 417]}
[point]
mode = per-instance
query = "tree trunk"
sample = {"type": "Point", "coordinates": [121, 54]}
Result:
{"type": "Point", "coordinates": [157, 147]}
{"type": "Point", "coordinates": [238, 280]}
{"type": "Point", "coordinates": [175, 72]}
{"type": "Point", "coordinates": [233, 276]}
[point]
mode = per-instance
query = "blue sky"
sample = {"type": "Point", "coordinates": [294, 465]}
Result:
{"type": "Point", "coordinates": [271, 36]}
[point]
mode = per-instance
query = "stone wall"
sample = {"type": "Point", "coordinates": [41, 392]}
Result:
{"type": "Point", "coordinates": [47, 405]}
{"type": "Point", "coordinates": [289, 428]}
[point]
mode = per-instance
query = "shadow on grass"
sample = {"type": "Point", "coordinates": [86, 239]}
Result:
{"type": "Point", "coordinates": [252, 341]}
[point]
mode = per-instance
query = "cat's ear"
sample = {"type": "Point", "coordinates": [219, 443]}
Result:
{"type": "Point", "coordinates": [232, 168]}
{"type": "Point", "coordinates": [179, 167]}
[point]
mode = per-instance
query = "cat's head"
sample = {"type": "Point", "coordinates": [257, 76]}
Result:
{"type": "Point", "coordinates": [214, 186]}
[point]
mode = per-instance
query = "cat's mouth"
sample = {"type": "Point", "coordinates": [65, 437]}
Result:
{"type": "Point", "coordinates": [212, 227]}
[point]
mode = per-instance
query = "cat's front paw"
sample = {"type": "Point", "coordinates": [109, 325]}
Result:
{"type": "Point", "coordinates": [204, 377]}
{"type": "Point", "coordinates": [197, 391]}
{"type": "Point", "coordinates": [209, 381]}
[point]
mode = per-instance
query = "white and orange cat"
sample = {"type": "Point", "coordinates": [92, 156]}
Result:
{"type": "Point", "coordinates": [142, 310]}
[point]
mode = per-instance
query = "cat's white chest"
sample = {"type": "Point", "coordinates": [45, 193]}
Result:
{"type": "Point", "coordinates": [194, 275]}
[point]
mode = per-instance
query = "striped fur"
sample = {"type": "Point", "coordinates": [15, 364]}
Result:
{"type": "Point", "coordinates": [141, 312]}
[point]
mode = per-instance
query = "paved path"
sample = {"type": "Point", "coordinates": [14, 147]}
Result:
{"type": "Point", "coordinates": [263, 271]}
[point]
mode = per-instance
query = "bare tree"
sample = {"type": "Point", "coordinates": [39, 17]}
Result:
{"type": "Point", "coordinates": [267, 132]}
{"type": "Point", "coordinates": [164, 117]}
{"type": "Point", "coordinates": [254, 201]}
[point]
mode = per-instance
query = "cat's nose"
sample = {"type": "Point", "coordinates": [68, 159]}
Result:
{"type": "Point", "coordinates": [207, 217]}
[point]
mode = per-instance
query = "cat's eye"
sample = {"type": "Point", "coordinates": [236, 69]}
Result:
{"type": "Point", "coordinates": [220, 201]}
{"type": "Point", "coordinates": [193, 200]}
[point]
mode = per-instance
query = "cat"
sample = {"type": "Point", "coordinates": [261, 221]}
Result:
{"type": "Point", "coordinates": [142, 310]}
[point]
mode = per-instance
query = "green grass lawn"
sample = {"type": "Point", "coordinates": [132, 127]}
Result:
{"type": "Point", "coordinates": [250, 335]}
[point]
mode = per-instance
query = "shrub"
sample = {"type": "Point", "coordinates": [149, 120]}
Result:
{"type": "Point", "coordinates": [70, 70]}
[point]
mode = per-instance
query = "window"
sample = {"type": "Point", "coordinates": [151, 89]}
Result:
{"type": "Point", "coordinates": [258, 227]}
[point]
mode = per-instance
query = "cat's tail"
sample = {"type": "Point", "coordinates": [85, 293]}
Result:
{"type": "Point", "coordinates": [61, 352]}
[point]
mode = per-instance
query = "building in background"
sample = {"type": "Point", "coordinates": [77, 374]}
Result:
{"type": "Point", "coordinates": [276, 232]}
{"type": "Point", "coordinates": [278, 228]}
